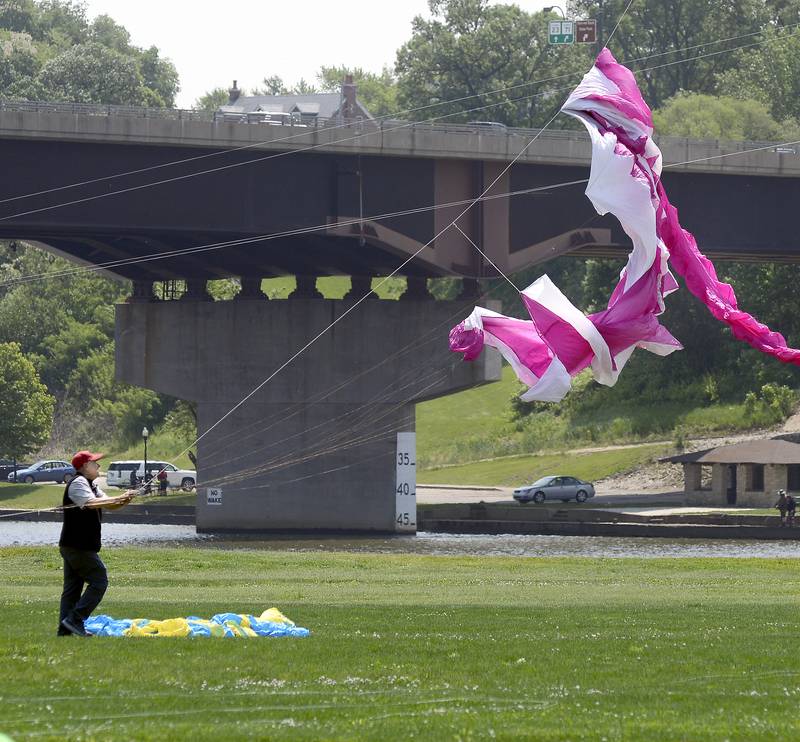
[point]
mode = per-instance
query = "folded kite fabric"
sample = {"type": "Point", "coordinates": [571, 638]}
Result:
{"type": "Point", "coordinates": [559, 340]}
{"type": "Point", "coordinates": [270, 623]}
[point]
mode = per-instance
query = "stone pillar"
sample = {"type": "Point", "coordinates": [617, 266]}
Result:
{"type": "Point", "coordinates": [717, 479]}
{"type": "Point", "coordinates": [142, 292]}
{"type": "Point", "coordinates": [251, 289]}
{"type": "Point", "coordinates": [775, 478]}
{"type": "Point", "coordinates": [306, 288]}
{"type": "Point", "coordinates": [691, 477]}
{"type": "Point", "coordinates": [741, 483]}
{"type": "Point", "coordinates": [196, 290]}
{"type": "Point", "coordinates": [314, 449]}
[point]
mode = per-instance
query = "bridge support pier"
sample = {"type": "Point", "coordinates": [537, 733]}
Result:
{"type": "Point", "coordinates": [315, 448]}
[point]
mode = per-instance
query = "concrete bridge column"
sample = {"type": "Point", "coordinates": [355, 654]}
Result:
{"type": "Point", "coordinates": [417, 289]}
{"type": "Point", "coordinates": [359, 286]}
{"type": "Point", "coordinates": [251, 289]}
{"type": "Point", "coordinates": [315, 448]}
{"type": "Point", "coordinates": [306, 288]}
{"type": "Point", "coordinates": [470, 289]}
{"type": "Point", "coordinates": [142, 292]}
{"type": "Point", "coordinates": [197, 290]}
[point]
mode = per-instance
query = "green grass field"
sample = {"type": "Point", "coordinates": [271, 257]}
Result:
{"type": "Point", "coordinates": [435, 648]}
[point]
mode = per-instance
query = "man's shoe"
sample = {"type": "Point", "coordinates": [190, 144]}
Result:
{"type": "Point", "coordinates": [74, 628]}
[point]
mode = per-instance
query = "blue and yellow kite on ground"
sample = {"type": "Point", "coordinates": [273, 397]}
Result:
{"type": "Point", "coordinates": [270, 623]}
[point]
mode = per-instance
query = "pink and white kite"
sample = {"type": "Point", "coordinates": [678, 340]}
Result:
{"type": "Point", "coordinates": [559, 340]}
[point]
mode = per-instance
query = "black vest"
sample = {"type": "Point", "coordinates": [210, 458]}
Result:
{"type": "Point", "coordinates": [81, 529]}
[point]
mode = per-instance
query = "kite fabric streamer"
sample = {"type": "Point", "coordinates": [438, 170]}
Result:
{"type": "Point", "coordinates": [559, 340]}
{"type": "Point", "coordinates": [270, 623]}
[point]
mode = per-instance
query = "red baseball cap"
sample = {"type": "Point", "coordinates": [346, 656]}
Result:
{"type": "Point", "coordinates": [80, 458]}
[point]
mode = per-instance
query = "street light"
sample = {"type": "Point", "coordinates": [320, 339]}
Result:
{"type": "Point", "coordinates": [145, 435]}
{"type": "Point", "coordinates": [551, 8]}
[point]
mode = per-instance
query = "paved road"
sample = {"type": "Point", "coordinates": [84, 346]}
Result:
{"type": "Point", "coordinates": [444, 494]}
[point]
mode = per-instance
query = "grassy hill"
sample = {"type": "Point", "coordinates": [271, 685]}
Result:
{"type": "Point", "coordinates": [512, 471]}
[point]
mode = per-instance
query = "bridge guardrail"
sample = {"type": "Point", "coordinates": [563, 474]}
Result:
{"type": "Point", "coordinates": [183, 114]}
{"type": "Point", "coordinates": [309, 123]}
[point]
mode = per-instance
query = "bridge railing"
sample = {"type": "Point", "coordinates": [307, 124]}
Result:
{"type": "Point", "coordinates": [182, 114]}
{"type": "Point", "coordinates": [93, 109]}
{"type": "Point", "coordinates": [489, 129]}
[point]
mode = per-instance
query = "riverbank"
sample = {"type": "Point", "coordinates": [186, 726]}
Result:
{"type": "Point", "coordinates": [504, 518]}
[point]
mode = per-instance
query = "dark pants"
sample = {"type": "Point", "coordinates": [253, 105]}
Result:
{"type": "Point", "coordinates": [81, 567]}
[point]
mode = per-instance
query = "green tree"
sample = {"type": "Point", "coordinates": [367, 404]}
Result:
{"type": "Point", "coordinates": [469, 48]}
{"type": "Point", "coordinates": [303, 87]}
{"type": "Point", "coordinates": [769, 73]}
{"type": "Point", "coordinates": [61, 23]}
{"type": "Point", "coordinates": [26, 409]}
{"type": "Point", "coordinates": [273, 85]}
{"type": "Point", "coordinates": [212, 100]}
{"type": "Point", "coordinates": [93, 73]}
{"type": "Point", "coordinates": [711, 117]}
{"type": "Point", "coordinates": [378, 92]}
{"type": "Point", "coordinates": [160, 78]}
{"type": "Point", "coordinates": [19, 62]}
{"type": "Point", "coordinates": [117, 411]}
{"type": "Point", "coordinates": [106, 31]}
{"type": "Point", "coordinates": [19, 16]}
{"type": "Point", "coordinates": [50, 318]}
{"type": "Point", "coordinates": [49, 50]}
{"type": "Point", "coordinates": [655, 27]}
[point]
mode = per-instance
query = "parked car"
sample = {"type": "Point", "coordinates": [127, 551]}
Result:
{"type": "Point", "coordinates": [118, 474]}
{"type": "Point", "coordinates": [45, 471]}
{"type": "Point", "coordinates": [7, 467]}
{"type": "Point", "coordinates": [275, 118]}
{"type": "Point", "coordinates": [491, 127]}
{"type": "Point", "coordinates": [555, 488]}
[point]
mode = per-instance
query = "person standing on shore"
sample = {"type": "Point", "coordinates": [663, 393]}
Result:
{"type": "Point", "coordinates": [79, 544]}
{"type": "Point", "coordinates": [791, 507]}
{"type": "Point", "coordinates": [782, 506]}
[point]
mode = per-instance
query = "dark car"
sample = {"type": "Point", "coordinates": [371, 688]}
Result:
{"type": "Point", "coordinates": [555, 488]}
{"type": "Point", "coordinates": [45, 471]}
{"type": "Point", "coordinates": [7, 467]}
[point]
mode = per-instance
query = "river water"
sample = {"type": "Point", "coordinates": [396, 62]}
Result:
{"type": "Point", "coordinates": [20, 533]}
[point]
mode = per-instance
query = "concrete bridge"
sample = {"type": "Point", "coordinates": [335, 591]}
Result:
{"type": "Point", "coordinates": [317, 447]}
{"type": "Point", "coordinates": [738, 206]}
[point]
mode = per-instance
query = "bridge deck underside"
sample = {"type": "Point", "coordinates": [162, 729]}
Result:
{"type": "Point", "coordinates": [184, 221]}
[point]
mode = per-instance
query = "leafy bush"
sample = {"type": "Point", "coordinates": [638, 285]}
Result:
{"type": "Point", "coordinates": [773, 404]}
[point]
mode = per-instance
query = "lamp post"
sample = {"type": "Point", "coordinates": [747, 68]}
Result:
{"type": "Point", "coordinates": [551, 8]}
{"type": "Point", "coordinates": [145, 435]}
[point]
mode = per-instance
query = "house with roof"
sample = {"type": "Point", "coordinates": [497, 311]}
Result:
{"type": "Point", "coordinates": [748, 473]}
{"type": "Point", "coordinates": [310, 110]}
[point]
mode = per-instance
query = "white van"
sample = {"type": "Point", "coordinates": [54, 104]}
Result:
{"type": "Point", "coordinates": [118, 474]}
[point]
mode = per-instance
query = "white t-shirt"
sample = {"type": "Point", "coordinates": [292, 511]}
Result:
{"type": "Point", "coordinates": [80, 492]}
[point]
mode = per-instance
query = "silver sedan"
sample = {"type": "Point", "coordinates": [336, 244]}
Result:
{"type": "Point", "coordinates": [555, 488]}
